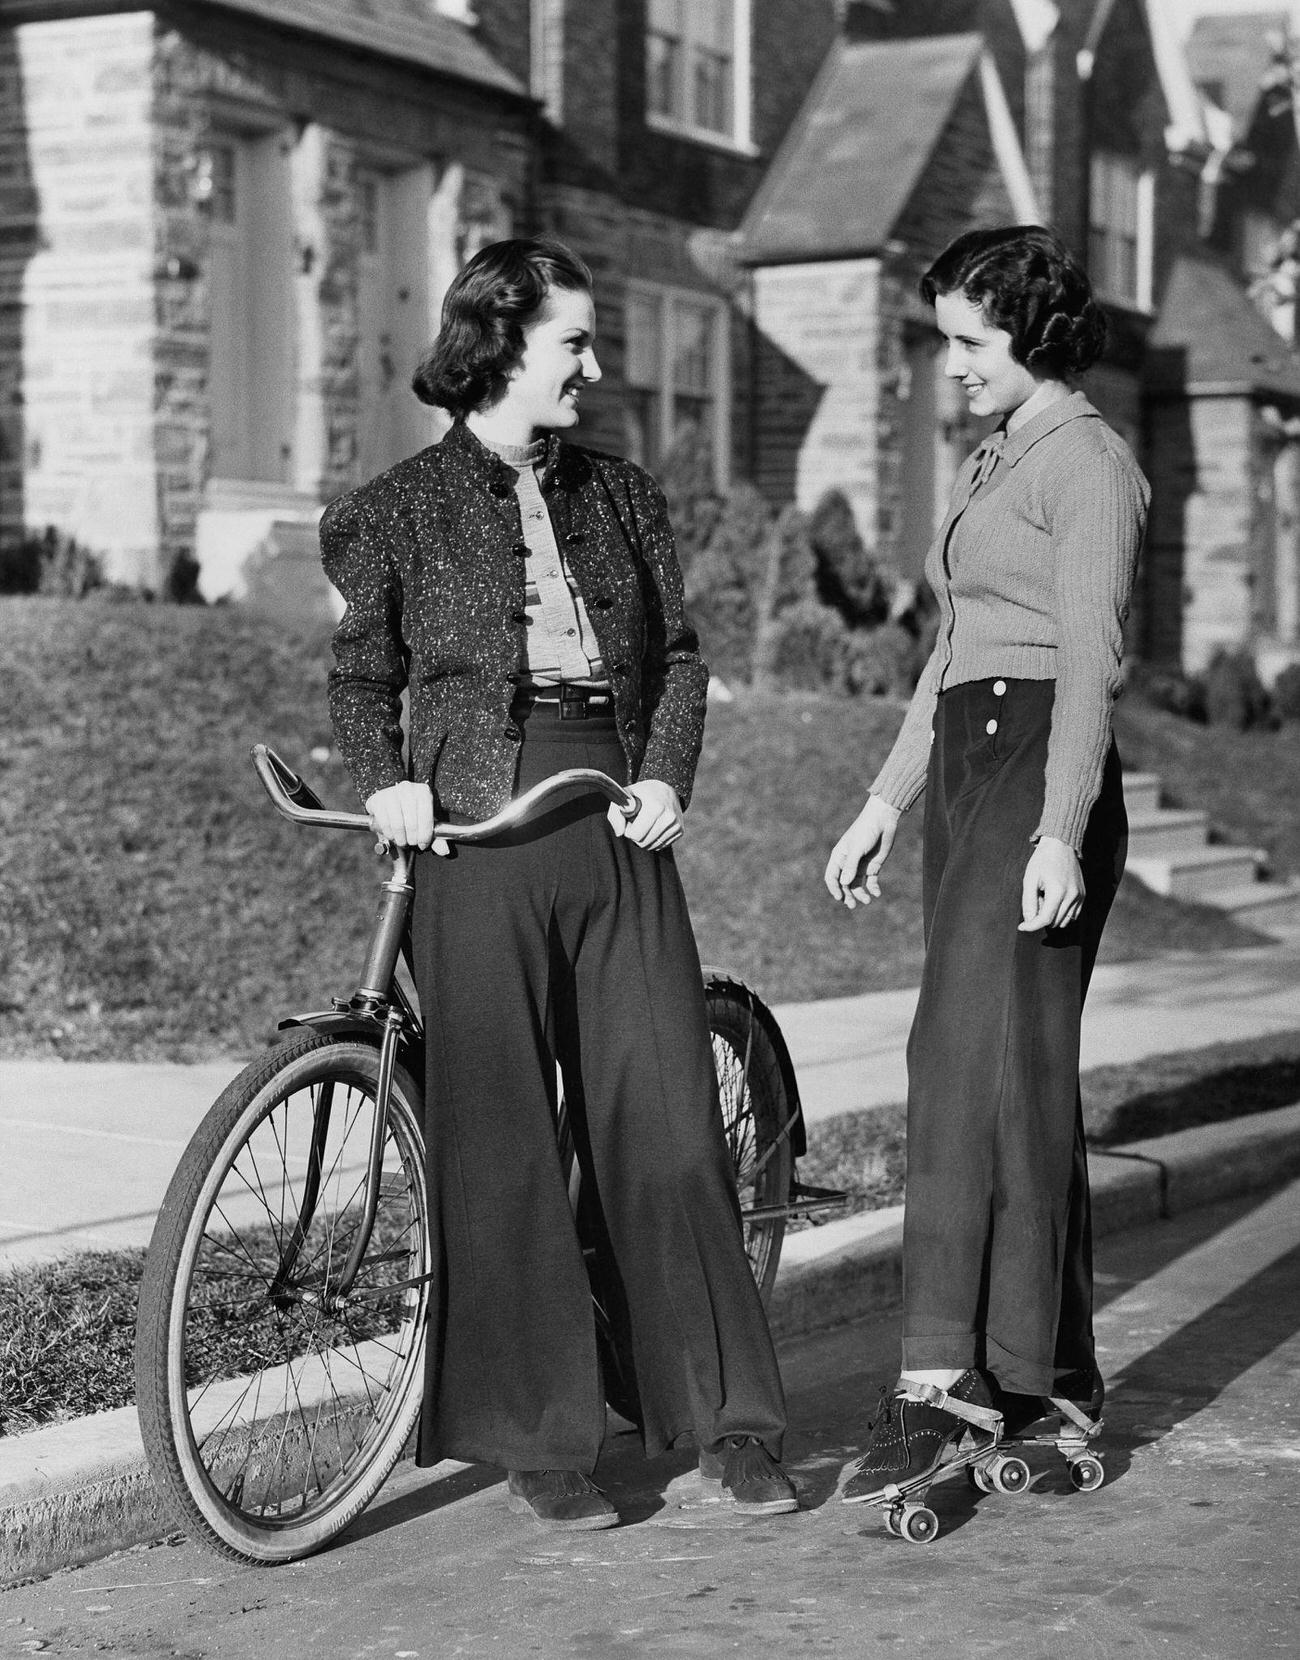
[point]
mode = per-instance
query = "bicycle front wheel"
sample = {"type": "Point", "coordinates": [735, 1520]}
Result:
{"type": "Point", "coordinates": [756, 1118]}
{"type": "Point", "coordinates": [272, 1406]}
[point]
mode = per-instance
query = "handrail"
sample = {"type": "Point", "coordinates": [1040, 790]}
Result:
{"type": "Point", "coordinates": [294, 800]}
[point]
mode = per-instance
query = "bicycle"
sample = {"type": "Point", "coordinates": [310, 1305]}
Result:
{"type": "Point", "coordinates": [279, 1347]}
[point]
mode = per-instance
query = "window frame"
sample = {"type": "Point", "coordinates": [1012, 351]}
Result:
{"type": "Point", "coordinates": [1141, 180]}
{"type": "Point", "coordinates": [740, 139]}
{"type": "Point", "coordinates": [667, 297]}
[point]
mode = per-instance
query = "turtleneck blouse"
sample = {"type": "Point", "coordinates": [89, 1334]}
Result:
{"type": "Point", "coordinates": [1033, 569]}
{"type": "Point", "coordinates": [559, 644]}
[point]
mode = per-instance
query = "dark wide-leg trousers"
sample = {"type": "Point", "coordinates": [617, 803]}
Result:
{"type": "Point", "coordinates": [562, 942]}
{"type": "Point", "coordinates": [997, 1253]}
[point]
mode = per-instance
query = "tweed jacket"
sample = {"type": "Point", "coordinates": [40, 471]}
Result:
{"type": "Point", "coordinates": [430, 559]}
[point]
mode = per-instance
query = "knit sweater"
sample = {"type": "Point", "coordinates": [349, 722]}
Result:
{"type": "Point", "coordinates": [1033, 568]}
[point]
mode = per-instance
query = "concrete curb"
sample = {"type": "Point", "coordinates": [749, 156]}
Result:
{"type": "Point", "coordinates": [79, 1490]}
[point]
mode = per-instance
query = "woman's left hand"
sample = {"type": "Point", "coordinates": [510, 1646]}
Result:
{"type": "Point", "coordinates": [659, 822]}
{"type": "Point", "coordinates": [1052, 893]}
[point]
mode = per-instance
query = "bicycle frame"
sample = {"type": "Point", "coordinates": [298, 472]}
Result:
{"type": "Point", "coordinates": [379, 1005]}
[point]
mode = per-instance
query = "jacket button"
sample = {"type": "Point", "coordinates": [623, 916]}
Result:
{"type": "Point", "coordinates": [576, 536]}
{"type": "Point", "coordinates": [991, 727]}
{"type": "Point", "coordinates": [619, 669]}
{"type": "Point", "coordinates": [999, 688]}
{"type": "Point", "coordinates": [603, 602]}
{"type": "Point", "coordinates": [520, 549]}
{"type": "Point", "coordinates": [519, 616]}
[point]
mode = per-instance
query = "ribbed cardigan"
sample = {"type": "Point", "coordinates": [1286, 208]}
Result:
{"type": "Point", "coordinates": [1033, 569]}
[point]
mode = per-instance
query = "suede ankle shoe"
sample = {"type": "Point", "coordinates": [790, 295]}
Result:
{"type": "Point", "coordinates": [910, 1435]}
{"type": "Point", "coordinates": [745, 1474]}
{"type": "Point", "coordinates": [560, 1499]}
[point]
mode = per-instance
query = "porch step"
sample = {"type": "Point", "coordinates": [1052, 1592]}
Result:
{"type": "Point", "coordinates": [1158, 832]}
{"type": "Point", "coordinates": [1141, 792]}
{"type": "Point", "coordinates": [1202, 875]}
{"type": "Point", "coordinates": [1264, 904]}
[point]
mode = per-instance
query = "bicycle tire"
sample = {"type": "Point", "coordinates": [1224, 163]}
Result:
{"type": "Point", "coordinates": [756, 1115]}
{"type": "Point", "coordinates": [271, 1415]}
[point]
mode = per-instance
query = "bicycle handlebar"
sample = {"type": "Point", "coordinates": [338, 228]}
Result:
{"type": "Point", "coordinates": [296, 801]}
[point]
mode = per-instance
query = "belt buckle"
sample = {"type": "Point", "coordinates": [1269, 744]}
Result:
{"type": "Point", "coordinates": [572, 706]}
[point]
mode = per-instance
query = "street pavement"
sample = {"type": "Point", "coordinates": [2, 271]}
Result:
{"type": "Point", "coordinates": [1189, 1550]}
{"type": "Point", "coordinates": [87, 1149]}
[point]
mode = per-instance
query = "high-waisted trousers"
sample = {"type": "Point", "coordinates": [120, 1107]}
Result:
{"type": "Point", "coordinates": [997, 1252]}
{"type": "Point", "coordinates": [561, 942]}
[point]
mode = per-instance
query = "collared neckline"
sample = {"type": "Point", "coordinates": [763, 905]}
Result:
{"type": "Point", "coordinates": [489, 462]}
{"type": "Point", "coordinates": [1014, 446]}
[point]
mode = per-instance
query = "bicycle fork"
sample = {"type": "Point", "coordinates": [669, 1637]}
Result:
{"type": "Point", "coordinates": [372, 1000]}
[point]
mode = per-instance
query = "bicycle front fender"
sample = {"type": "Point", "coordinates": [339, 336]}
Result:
{"type": "Point", "coordinates": [344, 1023]}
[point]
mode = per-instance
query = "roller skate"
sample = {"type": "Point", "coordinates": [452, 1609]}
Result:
{"type": "Point", "coordinates": [1035, 1420]}
{"type": "Point", "coordinates": [923, 1435]}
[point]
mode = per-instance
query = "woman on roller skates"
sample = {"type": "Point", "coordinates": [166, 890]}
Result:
{"type": "Point", "coordinates": [1009, 736]}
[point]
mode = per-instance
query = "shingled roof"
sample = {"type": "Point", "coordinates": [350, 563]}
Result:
{"type": "Point", "coordinates": [1230, 55]}
{"type": "Point", "coordinates": [411, 30]}
{"type": "Point", "coordinates": [856, 152]}
{"type": "Point", "coordinates": [1210, 338]}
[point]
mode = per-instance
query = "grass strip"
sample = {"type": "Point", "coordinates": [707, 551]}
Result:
{"type": "Point", "coordinates": [67, 1328]}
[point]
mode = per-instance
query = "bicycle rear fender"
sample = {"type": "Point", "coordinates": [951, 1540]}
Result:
{"type": "Point", "coordinates": [344, 1023]}
{"type": "Point", "coordinates": [768, 1021]}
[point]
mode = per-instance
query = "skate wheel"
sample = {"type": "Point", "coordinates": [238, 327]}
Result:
{"type": "Point", "coordinates": [1087, 1474]}
{"type": "Point", "coordinates": [979, 1478]}
{"type": "Point", "coordinates": [1010, 1475]}
{"type": "Point", "coordinates": [892, 1523]}
{"type": "Point", "coordinates": [918, 1524]}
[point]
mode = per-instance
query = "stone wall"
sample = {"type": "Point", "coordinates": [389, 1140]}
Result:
{"type": "Point", "coordinates": [83, 114]}
{"type": "Point", "coordinates": [818, 385]}
{"type": "Point", "coordinates": [1197, 576]}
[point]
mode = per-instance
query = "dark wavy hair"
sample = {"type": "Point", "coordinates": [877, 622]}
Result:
{"type": "Point", "coordinates": [1026, 281]}
{"type": "Point", "coordinates": [491, 301]}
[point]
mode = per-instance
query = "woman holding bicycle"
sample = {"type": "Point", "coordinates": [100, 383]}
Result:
{"type": "Point", "coordinates": [1009, 736]}
{"type": "Point", "coordinates": [527, 593]}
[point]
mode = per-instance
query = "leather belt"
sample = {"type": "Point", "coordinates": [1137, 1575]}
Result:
{"type": "Point", "coordinates": [573, 702]}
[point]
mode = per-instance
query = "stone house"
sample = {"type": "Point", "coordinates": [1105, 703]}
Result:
{"type": "Point", "coordinates": [224, 232]}
{"type": "Point", "coordinates": [226, 227]}
{"type": "Point", "coordinates": [1224, 379]}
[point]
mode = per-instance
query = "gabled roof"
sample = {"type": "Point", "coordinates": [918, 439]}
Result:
{"type": "Point", "coordinates": [858, 148]}
{"type": "Point", "coordinates": [412, 30]}
{"type": "Point", "coordinates": [1232, 53]}
{"type": "Point", "coordinates": [1209, 337]}
{"type": "Point", "coordinates": [1186, 127]}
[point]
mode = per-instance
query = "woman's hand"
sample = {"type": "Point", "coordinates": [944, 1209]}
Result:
{"type": "Point", "coordinates": [403, 814]}
{"type": "Point", "coordinates": [659, 821]}
{"type": "Point", "coordinates": [869, 838]}
{"type": "Point", "coordinates": [1053, 890]}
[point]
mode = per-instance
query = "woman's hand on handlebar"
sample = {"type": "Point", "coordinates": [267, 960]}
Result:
{"type": "Point", "coordinates": [403, 814]}
{"type": "Point", "coordinates": [867, 842]}
{"type": "Point", "coordinates": [658, 823]}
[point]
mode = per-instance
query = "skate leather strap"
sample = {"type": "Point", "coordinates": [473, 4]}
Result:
{"type": "Point", "coordinates": [1087, 1427]}
{"type": "Point", "coordinates": [983, 1417]}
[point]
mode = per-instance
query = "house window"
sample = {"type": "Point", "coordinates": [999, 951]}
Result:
{"type": "Point", "coordinates": [216, 182]}
{"type": "Point", "coordinates": [1119, 239]}
{"type": "Point", "coordinates": [676, 372]}
{"type": "Point", "coordinates": [368, 210]}
{"type": "Point", "coordinates": [697, 67]}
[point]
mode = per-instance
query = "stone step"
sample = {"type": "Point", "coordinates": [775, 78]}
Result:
{"type": "Point", "coordinates": [1200, 875]}
{"type": "Point", "coordinates": [1265, 904]}
{"type": "Point", "coordinates": [1166, 830]}
{"type": "Point", "coordinates": [1141, 792]}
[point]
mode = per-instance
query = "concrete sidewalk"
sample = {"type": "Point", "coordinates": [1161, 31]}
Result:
{"type": "Point", "coordinates": [87, 1149]}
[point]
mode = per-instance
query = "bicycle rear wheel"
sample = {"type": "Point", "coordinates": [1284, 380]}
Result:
{"type": "Point", "coordinates": [756, 1114]}
{"type": "Point", "coordinates": [272, 1408]}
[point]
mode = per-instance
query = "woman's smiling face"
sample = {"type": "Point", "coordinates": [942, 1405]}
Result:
{"type": "Point", "coordinates": [979, 356]}
{"type": "Point", "coordinates": [559, 359]}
